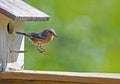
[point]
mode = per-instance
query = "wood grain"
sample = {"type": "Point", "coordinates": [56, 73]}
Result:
{"type": "Point", "coordinates": [48, 77]}
{"type": "Point", "coordinates": [19, 10]}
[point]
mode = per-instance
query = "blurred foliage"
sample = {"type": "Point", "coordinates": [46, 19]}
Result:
{"type": "Point", "coordinates": [89, 36]}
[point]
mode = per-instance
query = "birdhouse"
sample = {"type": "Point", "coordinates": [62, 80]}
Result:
{"type": "Point", "coordinates": [13, 14]}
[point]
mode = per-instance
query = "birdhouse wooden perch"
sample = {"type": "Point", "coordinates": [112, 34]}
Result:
{"type": "Point", "coordinates": [13, 13]}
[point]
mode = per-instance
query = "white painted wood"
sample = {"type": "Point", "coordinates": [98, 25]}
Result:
{"type": "Point", "coordinates": [18, 64]}
{"type": "Point", "coordinates": [9, 61]}
{"type": "Point", "coordinates": [19, 10]}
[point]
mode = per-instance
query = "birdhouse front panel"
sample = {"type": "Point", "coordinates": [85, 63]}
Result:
{"type": "Point", "coordinates": [10, 44]}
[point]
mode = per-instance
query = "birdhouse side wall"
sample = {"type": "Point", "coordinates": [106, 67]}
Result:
{"type": "Point", "coordinates": [10, 41]}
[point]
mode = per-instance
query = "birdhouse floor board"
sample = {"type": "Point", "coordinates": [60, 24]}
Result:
{"type": "Point", "coordinates": [51, 77]}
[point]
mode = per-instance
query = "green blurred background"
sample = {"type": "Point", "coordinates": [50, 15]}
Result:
{"type": "Point", "coordinates": [89, 36]}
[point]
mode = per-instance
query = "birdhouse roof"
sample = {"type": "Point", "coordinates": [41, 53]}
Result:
{"type": "Point", "coordinates": [21, 11]}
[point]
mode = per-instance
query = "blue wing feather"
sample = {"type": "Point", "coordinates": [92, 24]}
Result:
{"type": "Point", "coordinates": [42, 36]}
{"type": "Point", "coordinates": [37, 35]}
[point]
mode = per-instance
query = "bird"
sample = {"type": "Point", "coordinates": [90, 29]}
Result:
{"type": "Point", "coordinates": [39, 39]}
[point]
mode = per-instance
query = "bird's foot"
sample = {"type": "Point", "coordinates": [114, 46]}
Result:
{"type": "Point", "coordinates": [43, 51]}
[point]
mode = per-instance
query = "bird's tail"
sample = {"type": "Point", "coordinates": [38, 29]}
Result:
{"type": "Point", "coordinates": [22, 34]}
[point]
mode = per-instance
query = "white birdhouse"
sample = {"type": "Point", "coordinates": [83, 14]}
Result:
{"type": "Point", "coordinates": [13, 13]}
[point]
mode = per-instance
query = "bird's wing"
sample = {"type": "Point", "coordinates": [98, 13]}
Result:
{"type": "Point", "coordinates": [38, 35]}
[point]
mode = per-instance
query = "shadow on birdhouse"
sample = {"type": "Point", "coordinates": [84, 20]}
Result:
{"type": "Point", "coordinates": [13, 14]}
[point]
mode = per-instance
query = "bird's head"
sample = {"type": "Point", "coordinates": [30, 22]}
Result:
{"type": "Point", "coordinates": [50, 31]}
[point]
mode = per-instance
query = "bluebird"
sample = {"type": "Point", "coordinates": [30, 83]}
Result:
{"type": "Point", "coordinates": [40, 39]}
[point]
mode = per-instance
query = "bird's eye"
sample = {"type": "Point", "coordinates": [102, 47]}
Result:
{"type": "Point", "coordinates": [50, 32]}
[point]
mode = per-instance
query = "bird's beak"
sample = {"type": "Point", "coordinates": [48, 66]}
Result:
{"type": "Point", "coordinates": [55, 35]}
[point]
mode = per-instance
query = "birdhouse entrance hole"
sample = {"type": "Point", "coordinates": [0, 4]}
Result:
{"type": "Point", "coordinates": [10, 28]}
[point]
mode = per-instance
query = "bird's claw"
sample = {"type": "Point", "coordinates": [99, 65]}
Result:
{"type": "Point", "coordinates": [42, 51]}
